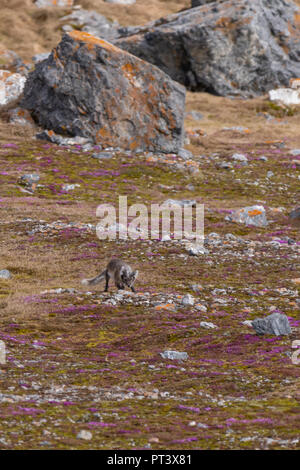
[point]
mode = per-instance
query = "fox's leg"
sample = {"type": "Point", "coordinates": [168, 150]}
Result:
{"type": "Point", "coordinates": [132, 288]}
{"type": "Point", "coordinates": [106, 281]}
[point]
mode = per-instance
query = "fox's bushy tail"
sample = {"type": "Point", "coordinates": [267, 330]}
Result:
{"type": "Point", "coordinates": [94, 280]}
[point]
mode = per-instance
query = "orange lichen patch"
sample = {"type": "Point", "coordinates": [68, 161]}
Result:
{"type": "Point", "coordinates": [191, 163]}
{"type": "Point", "coordinates": [66, 3]}
{"type": "Point", "coordinates": [229, 23]}
{"type": "Point", "coordinates": [165, 307]}
{"type": "Point", "coordinates": [272, 142]}
{"type": "Point", "coordinates": [297, 18]}
{"type": "Point", "coordinates": [102, 132]}
{"type": "Point", "coordinates": [295, 83]}
{"type": "Point", "coordinates": [254, 212]}
{"type": "Point", "coordinates": [133, 145]}
{"type": "Point", "coordinates": [151, 159]}
{"type": "Point", "coordinates": [92, 41]}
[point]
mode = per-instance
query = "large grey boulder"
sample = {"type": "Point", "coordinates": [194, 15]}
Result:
{"type": "Point", "coordinates": [89, 88]}
{"type": "Point", "coordinates": [236, 47]}
{"type": "Point", "coordinates": [275, 324]}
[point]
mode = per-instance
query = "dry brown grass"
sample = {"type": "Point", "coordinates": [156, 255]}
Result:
{"type": "Point", "coordinates": [28, 30]}
{"type": "Point", "coordinates": [219, 112]}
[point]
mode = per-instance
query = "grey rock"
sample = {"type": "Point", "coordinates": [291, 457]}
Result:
{"type": "Point", "coordinates": [187, 300]}
{"type": "Point", "coordinates": [86, 435]}
{"type": "Point", "coordinates": [197, 288]}
{"type": "Point", "coordinates": [103, 155]}
{"type": "Point", "coordinates": [30, 178]}
{"type": "Point", "coordinates": [89, 88]}
{"type": "Point", "coordinates": [252, 215]}
{"type": "Point", "coordinates": [39, 57]}
{"type": "Point", "coordinates": [208, 325]}
{"type": "Point", "coordinates": [174, 355]}
{"type": "Point", "coordinates": [2, 353]}
{"type": "Point", "coordinates": [181, 203]}
{"type": "Point", "coordinates": [294, 152]}
{"type": "Point", "coordinates": [239, 157]}
{"type": "Point", "coordinates": [60, 140]}
{"type": "Point", "coordinates": [10, 60]}
{"type": "Point", "coordinates": [5, 274]}
{"type": "Point", "coordinates": [294, 216]}
{"type": "Point", "coordinates": [194, 115]}
{"type": "Point", "coordinates": [234, 47]}
{"type": "Point", "coordinates": [52, 3]}
{"type": "Point", "coordinates": [20, 117]}
{"type": "Point", "coordinates": [11, 88]}
{"type": "Point", "coordinates": [91, 22]}
{"type": "Point", "coordinates": [70, 187]}
{"type": "Point", "coordinates": [29, 181]}
{"type": "Point", "coordinates": [185, 154]}
{"type": "Point", "coordinates": [196, 250]}
{"type": "Point", "coordinates": [274, 324]}
{"type": "Point", "coordinates": [225, 165]}
{"type": "Point", "coordinates": [230, 236]}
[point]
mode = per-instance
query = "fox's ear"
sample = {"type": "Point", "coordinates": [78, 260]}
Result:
{"type": "Point", "coordinates": [135, 274]}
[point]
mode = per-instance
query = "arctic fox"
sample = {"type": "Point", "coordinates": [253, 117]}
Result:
{"type": "Point", "coordinates": [120, 271]}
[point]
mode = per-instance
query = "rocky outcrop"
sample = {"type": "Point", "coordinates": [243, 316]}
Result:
{"type": "Point", "coordinates": [225, 48]}
{"type": "Point", "coordinates": [90, 88]}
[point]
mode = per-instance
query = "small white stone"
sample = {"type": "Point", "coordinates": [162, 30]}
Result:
{"type": "Point", "coordinates": [86, 435]}
{"type": "Point", "coordinates": [208, 325]}
{"type": "Point", "coordinates": [188, 299]}
{"type": "Point", "coordinates": [2, 353]}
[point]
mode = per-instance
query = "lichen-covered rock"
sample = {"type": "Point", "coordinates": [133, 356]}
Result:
{"type": "Point", "coordinates": [252, 215]}
{"type": "Point", "coordinates": [20, 117]}
{"type": "Point", "coordinates": [225, 48]}
{"type": "Point", "coordinates": [274, 324]}
{"type": "Point", "coordinates": [287, 96]}
{"type": "Point", "coordinates": [90, 88]}
{"type": "Point", "coordinates": [9, 60]}
{"type": "Point", "coordinates": [91, 22]}
{"type": "Point", "coordinates": [29, 180]}
{"type": "Point", "coordinates": [61, 140]}
{"type": "Point", "coordinates": [11, 87]}
{"type": "Point", "coordinates": [54, 3]}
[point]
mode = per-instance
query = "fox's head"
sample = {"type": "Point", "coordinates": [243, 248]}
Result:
{"type": "Point", "coordinates": [129, 278]}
